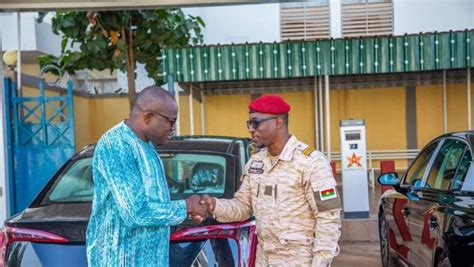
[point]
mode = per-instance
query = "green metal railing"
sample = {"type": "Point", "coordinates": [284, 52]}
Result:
{"type": "Point", "coordinates": [385, 54]}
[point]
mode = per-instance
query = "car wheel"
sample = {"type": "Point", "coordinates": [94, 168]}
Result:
{"type": "Point", "coordinates": [443, 260]}
{"type": "Point", "coordinates": [384, 241]}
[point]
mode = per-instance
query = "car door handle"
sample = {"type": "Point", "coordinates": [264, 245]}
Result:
{"type": "Point", "coordinates": [433, 223]}
{"type": "Point", "coordinates": [406, 211]}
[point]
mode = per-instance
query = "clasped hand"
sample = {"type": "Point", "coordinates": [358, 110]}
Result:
{"type": "Point", "coordinates": [199, 207]}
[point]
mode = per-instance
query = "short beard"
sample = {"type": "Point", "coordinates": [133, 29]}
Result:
{"type": "Point", "coordinates": [260, 146]}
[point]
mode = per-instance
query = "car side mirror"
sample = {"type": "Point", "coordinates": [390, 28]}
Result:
{"type": "Point", "coordinates": [390, 179]}
{"type": "Point", "coordinates": [416, 185]}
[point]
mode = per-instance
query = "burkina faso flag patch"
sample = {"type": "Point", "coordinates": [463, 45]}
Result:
{"type": "Point", "coordinates": [328, 193]}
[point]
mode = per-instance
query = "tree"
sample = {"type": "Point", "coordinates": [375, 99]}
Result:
{"type": "Point", "coordinates": [118, 39]}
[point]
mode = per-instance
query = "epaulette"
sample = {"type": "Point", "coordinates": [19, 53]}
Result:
{"type": "Point", "coordinates": [308, 150]}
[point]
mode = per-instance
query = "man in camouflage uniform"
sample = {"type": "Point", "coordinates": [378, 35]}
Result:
{"type": "Point", "coordinates": [289, 188]}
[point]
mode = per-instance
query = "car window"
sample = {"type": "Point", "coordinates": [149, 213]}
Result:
{"type": "Point", "coordinates": [462, 171]}
{"type": "Point", "coordinates": [445, 164]}
{"type": "Point", "coordinates": [75, 183]}
{"type": "Point", "coordinates": [417, 169]}
{"type": "Point", "coordinates": [189, 173]}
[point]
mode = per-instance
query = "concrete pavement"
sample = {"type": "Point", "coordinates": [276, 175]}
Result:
{"type": "Point", "coordinates": [358, 254]}
{"type": "Point", "coordinates": [359, 241]}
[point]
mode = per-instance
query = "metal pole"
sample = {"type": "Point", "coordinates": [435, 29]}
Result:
{"type": "Point", "coordinates": [445, 109]}
{"type": "Point", "coordinates": [3, 145]}
{"type": "Point", "coordinates": [191, 111]}
{"type": "Point", "coordinates": [70, 102]}
{"type": "Point", "coordinates": [328, 117]}
{"type": "Point", "coordinates": [43, 114]}
{"type": "Point", "coordinates": [469, 124]}
{"type": "Point", "coordinates": [316, 118]}
{"type": "Point", "coordinates": [203, 113]}
{"type": "Point", "coordinates": [321, 120]}
{"type": "Point", "coordinates": [171, 89]}
{"type": "Point", "coordinates": [18, 54]}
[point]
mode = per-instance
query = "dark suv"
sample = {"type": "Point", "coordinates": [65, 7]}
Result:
{"type": "Point", "coordinates": [51, 231]}
{"type": "Point", "coordinates": [428, 218]}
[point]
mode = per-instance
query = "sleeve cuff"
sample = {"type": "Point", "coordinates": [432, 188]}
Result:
{"type": "Point", "coordinates": [321, 262]}
{"type": "Point", "coordinates": [182, 211]}
{"type": "Point", "coordinates": [218, 209]}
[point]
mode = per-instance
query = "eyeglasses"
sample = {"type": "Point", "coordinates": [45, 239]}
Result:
{"type": "Point", "coordinates": [255, 123]}
{"type": "Point", "coordinates": [172, 121]}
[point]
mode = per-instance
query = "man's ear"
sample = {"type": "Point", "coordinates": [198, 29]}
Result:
{"type": "Point", "coordinates": [280, 122]}
{"type": "Point", "coordinates": [147, 116]}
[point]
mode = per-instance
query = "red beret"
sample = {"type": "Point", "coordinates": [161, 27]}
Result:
{"type": "Point", "coordinates": [270, 104]}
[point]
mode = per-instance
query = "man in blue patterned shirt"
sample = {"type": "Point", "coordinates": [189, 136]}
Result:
{"type": "Point", "coordinates": [131, 208]}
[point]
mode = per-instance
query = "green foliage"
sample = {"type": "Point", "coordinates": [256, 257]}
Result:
{"type": "Point", "coordinates": [104, 39]}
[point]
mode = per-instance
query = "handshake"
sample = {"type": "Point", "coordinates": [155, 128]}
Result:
{"type": "Point", "coordinates": [199, 207]}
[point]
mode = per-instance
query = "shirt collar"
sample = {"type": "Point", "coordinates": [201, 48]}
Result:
{"type": "Point", "coordinates": [129, 131]}
{"type": "Point", "coordinates": [290, 146]}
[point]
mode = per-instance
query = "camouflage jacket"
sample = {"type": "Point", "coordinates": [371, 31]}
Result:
{"type": "Point", "coordinates": [294, 201]}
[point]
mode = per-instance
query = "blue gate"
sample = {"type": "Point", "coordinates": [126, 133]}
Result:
{"type": "Point", "coordinates": [40, 139]}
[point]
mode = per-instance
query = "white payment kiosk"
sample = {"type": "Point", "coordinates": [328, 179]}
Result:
{"type": "Point", "coordinates": [354, 169]}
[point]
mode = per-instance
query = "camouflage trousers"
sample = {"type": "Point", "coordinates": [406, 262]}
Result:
{"type": "Point", "coordinates": [291, 256]}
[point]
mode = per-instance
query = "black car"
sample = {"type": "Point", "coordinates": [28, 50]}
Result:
{"type": "Point", "coordinates": [51, 231]}
{"type": "Point", "coordinates": [427, 219]}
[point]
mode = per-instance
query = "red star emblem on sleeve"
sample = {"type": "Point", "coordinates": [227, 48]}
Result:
{"type": "Point", "coordinates": [354, 159]}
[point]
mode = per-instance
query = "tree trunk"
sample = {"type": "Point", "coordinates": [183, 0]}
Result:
{"type": "Point", "coordinates": [131, 66]}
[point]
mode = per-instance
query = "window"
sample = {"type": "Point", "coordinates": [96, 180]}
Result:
{"type": "Point", "coordinates": [462, 171]}
{"type": "Point", "coordinates": [75, 184]}
{"type": "Point", "coordinates": [417, 169]}
{"type": "Point", "coordinates": [188, 173]}
{"type": "Point", "coordinates": [445, 164]}
{"type": "Point", "coordinates": [307, 20]}
{"type": "Point", "coordinates": [366, 17]}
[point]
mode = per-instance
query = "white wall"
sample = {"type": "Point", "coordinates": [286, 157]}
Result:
{"type": "Point", "coordinates": [415, 16]}
{"type": "Point", "coordinates": [239, 23]}
{"type": "Point", "coordinates": [9, 26]}
{"type": "Point", "coordinates": [335, 17]}
{"type": "Point", "coordinates": [46, 41]}
{"type": "Point", "coordinates": [34, 36]}
{"type": "Point", "coordinates": [141, 81]}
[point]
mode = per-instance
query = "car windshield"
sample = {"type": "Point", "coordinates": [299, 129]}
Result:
{"type": "Point", "coordinates": [186, 174]}
{"type": "Point", "coordinates": [189, 173]}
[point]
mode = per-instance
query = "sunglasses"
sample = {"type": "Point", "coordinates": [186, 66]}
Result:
{"type": "Point", "coordinates": [256, 122]}
{"type": "Point", "coordinates": [172, 121]}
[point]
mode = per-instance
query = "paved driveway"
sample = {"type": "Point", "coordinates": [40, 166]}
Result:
{"type": "Point", "coordinates": [358, 254]}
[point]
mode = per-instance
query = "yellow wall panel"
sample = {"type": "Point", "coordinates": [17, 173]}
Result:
{"type": "Point", "coordinates": [383, 110]}
{"type": "Point", "coordinates": [429, 113]}
{"type": "Point", "coordinates": [457, 107]}
{"type": "Point", "coordinates": [30, 69]}
{"type": "Point", "coordinates": [94, 116]}
{"type": "Point", "coordinates": [301, 116]}
{"type": "Point", "coordinates": [184, 115]}
{"type": "Point", "coordinates": [108, 112]}
{"type": "Point", "coordinates": [82, 122]}
{"type": "Point", "coordinates": [226, 114]}
{"type": "Point", "coordinates": [115, 110]}
{"type": "Point", "coordinates": [197, 116]}
{"type": "Point", "coordinates": [472, 105]}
